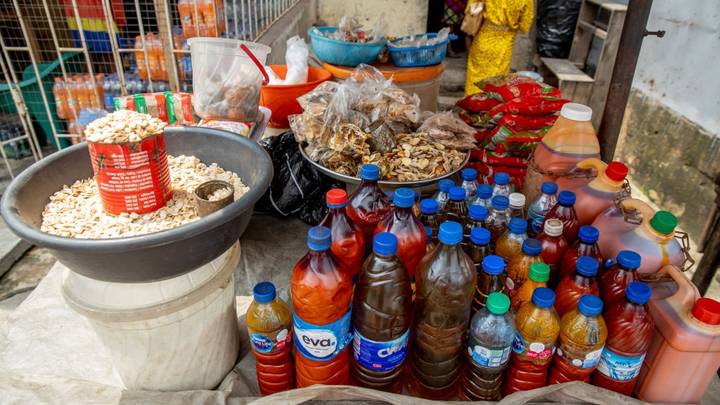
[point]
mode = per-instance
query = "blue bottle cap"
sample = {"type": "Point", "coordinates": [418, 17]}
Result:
{"type": "Point", "coordinates": [638, 292]}
{"type": "Point", "coordinates": [628, 259]}
{"type": "Point", "coordinates": [450, 233]}
{"type": "Point", "coordinates": [549, 188]}
{"type": "Point", "coordinates": [500, 202]}
{"type": "Point", "coordinates": [264, 292]}
{"type": "Point", "coordinates": [369, 172]}
{"type": "Point", "coordinates": [566, 198]}
{"type": "Point", "coordinates": [477, 212]}
{"type": "Point", "coordinates": [468, 174]}
{"type": "Point", "coordinates": [501, 178]}
{"type": "Point", "coordinates": [429, 206]}
{"type": "Point", "coordinates": [531, 247]}
{"type": "Point", "coordinates": [385, 244]}
{"type": "Point", "coordinates": [543, 297]}
{"type": "Point", "coordinates": [404, 197]}
{"type": "Point", "coordinates": [590, 305]}
{"type": "Point", "coordinates": [492, 264]}
{"type": "Point", "coordinates": [517, 225]}
{"type": "Point", "coordinates": [587, 266]}
{"type": "Point", "coordinates": [484, 191]}
{"type": "Point", "coordinates": [445, 185]}
{"type": "Point", "coordinates": [479, 236]}
{"type": "Point", "coordinates": [457, 193]}
{"type": "Point", "coordinates": [319, 238]}
{"type": "Point", "coordinates": [588, 234]}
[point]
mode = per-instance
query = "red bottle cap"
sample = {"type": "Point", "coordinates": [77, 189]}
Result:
{"type": "Point", "coordinates": [336, 196]}
{"type": "Point", "coordinates": [616, 171]}
{"type": "Point", "coordinates": [707, 310]}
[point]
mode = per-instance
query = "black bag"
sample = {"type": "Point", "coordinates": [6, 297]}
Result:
{"type": "Point", "coordinates": [556, 21]}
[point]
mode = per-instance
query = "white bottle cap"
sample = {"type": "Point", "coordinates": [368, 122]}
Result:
{"type": "Point", "coordinates": [553, 227]}
{"type": "Point", "coordinates": [516, 200]}
{"type": "Point", "coordinates": [576, 112]}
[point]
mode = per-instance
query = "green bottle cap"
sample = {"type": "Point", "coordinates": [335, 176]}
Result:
{"type": "Point", "coordinates": [498, 303]}
{"type": "Point", "coordinates": [664, 222]}
{"type": "Point", "coordinates": [539, 272]}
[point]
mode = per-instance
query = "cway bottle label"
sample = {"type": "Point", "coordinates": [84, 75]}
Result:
{"type": "Point", "coordinates": [485, 356]}
{"type": "Point", "coordinates": [380, 356]}
{"type": "Point", "coordinates": [321, 342]}
{"type": "Point", "coordinates": [620, 368]}
{"type": "Point", "coordinates": [267, 342]}
{"type": "Point", "coordinates": [589, 361]}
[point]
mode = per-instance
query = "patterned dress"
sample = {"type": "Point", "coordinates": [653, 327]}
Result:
{"type": "Point", "coordinates": [491, 50]}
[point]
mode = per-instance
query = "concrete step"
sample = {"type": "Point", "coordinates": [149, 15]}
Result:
{"type": "Point", "coordinates": [453, 78]}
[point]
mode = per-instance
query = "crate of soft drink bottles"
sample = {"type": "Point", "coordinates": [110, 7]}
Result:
{"type": "Point", "coordinates": [482, 290]}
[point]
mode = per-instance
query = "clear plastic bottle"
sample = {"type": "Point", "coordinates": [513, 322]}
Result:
{"type": "Point", "coordinates": [554, 246]}
{"type": "Point", "coordinates": [517, 205]}
{"type": "Point", "coordinates": [381, 318]}
{"type": "Point", "coordinates": [491, 278]}
{"type": "Point", "coordinates": [537, 277]}
{"type": "Point", "coordinates": [502, 184]}
{"type": "Point", "coordinates": [410, 232]}
{"type": "Point", "coordinates": [490, 339]}
{"type": "Point", "coordinates": [582, 338]}
{"type": "Point", "coordinates": [565, 212]}
{"type": "Point", "coordinates": [348, 241]}
{"type": "Point", "coordinates": [429, 216]}
{"type": "Point", "coordinates": [477, 214]}
{"type": "Point", "coordinates": [60, 96]}
{"type": "Point", "coordinates": [618, 275]}
{"type": "Point", "coordinates": [510, 243]}
{"type": "Point", "coordinates": [582, 281]}
{"type": "Point", "coordinates": [498, 218]}
{"type": "Point", "coordinates": [518, 266]}
{"type": "Point", "coordinates": [469, 182]}
{"type": "Point", "coordinates": [140, 51]}
{"type": "Point", "coordinates": [483, 195]}
{"type": "Point", "coordinates": [538, 328]}
{"type": "Point", "coordinates": [443, 194]}
{"type": "Point", "coordinates": [541, 205]}
{"type": "Point", "coordinates": [269, 324]}
{"type": "Point", "coordinates": [430, 242]}
{"type": "Point", "coordinates": [446, 281]}
{"type": "Point", "coordinates": [321, 296]}
{"type": "Point", "coordinates": [586, 245]}
{"type": "Point", "coordinates": [368, 205]}
{"type": "Point", "coordinates": [455, 208]}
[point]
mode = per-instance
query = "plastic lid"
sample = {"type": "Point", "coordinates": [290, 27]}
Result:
{"type": "Point", "coordinates": [590, 305]}
{"type": "Point", "coordinates": [385, 244]}
{"type": "Point", "coordinates": [587, 266]}
{"type": "Point", "coordinates": [517, 225]}
{"type": "Point", "coordinates": [429, 206]}
{"type": "Point", "coordinates": [588, 234]}
{"type": "Point", "coordinates": [543, 297]}
{"type": "Point", "coordinates": [369, 172]}
{"type": "Point", "coordinates": [638, 292]}
{"type": "Point", "coordinates": [549, 188]}
{"type": "Point", "coordinates": [484, 191]}
{"type": "Point", "coordinates": [457, 193]}
{"type": "Point", "coordinates": [566, 197]}
{"type": "Point", "coordinates": [264, 292]}
{"type": "Point", "coordinates": [445, 185]}
{"type": "Point", "coordinates": [480, 236]}
{"type": "Point", "coordinates": [477, 212]}
{"type": "Point", "coordinates": [531, 247]}
{"type": "Point", "coordinates": [450, 233]}
{"type": "Point", "coordinates": [492, 264]}
{"type": "Point", "coordinates": [664, 222]}
{"type": "Point", "coordinates": [576, 112]}
{"type": "Point", "coordinates": [553, 227]}
{"type": "Point", "coordinates": [497, 303]}
{"type": "Point", "coordinates": [516, 199]}
{"type": "Point", "coordinates": [539, 272]}
{"type": "Point", "coordinates": [616, 171]}
{"type": "Point", "coordinates": [404, 197]}
{"type": "Point", "coordinates": [500, 202]}
{"type": "Point", "coordinates": [336, 198]}
{"type": "Point", "coordinates": [501, 178]}
{"type": "Point", "coordinates": [707, 310]}
{"type": "Point", "coordinates": [628, 259]}
{"type": "Point", "coordinates": [319, 238]}
{"type": "Point", "coordinates": [468, 174]}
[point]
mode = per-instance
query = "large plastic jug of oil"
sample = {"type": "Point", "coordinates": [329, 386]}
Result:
{"type": "Point", "coordinates": [617, 220]}
{"type": "Point", "coordinates": [685, 351]}
{"type": "Point", "coordinates": [570, 140]}
{"type": "Point", "coordinates": [601, 193]}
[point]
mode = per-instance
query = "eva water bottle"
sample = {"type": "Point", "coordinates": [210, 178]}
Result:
{"type": "Point", "coordinates": [455, 208]}
{"type": "Point", "coordinates": [491, 278]}
{"type": "Point", "coordinates": [564, 211]}
{"type": "Point", "coordinates": [469, 182]}
{"type": "Point", "coordinates": [429, 215]}
{"type": "Point", "coordinates": [483, 195]}
{"type": "Point", "coordinates": [510, 243]}
{"type": "Point", "coordinates": [518, 266]}
{"type": "Point", "coordinates": [541, 205]}
{"type": "Point", "coordinates": [502, 184]}
{"type": "Point", "coordinates": [410, 232]}
{"type": "Point", "coordinates": [586, 245]}
{"type": "Point", "coordinates": [368, 205]}
{"type": "Point", "coordinates": [443, 194]}
{"type": "Point", "coordinates": [348, 240]}
{"type": "Point", "coordinates": [618, 276]}
{"type": "Point", "coordinates": [498, 218]}
{"type": "Point", "coordinates": [477, 214]}
{"type": "Point", "coordinates": [581, 282]}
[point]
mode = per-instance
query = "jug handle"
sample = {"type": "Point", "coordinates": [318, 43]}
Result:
{"type": "Point", "coordinates": [592, 163]}
{"type": "Point", "coordinates": [687, 292]}
{"type": "Point", "coordinates": [633, 204]}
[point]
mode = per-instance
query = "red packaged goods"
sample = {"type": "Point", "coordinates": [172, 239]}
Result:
{"type": "Point", "coordinates": [492, 85]}
{"type": "Point", "coordinates": [517, 123]}
{"type": "Point", "coordinates": [173, 108]}
{"type": "Point", "coordinates": [533, 105]}
{"type": "Point", "coordinates": [477, 103]}
{"type": "Point", "coordinates": [523, 89]}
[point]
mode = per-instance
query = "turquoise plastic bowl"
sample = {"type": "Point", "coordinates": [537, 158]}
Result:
{"type": "Point", "coordinates": [343, 53]}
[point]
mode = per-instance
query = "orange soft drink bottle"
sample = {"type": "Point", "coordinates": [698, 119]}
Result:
{"type": "Point", "coordinates": [60, 97]}
{"type": "Point", "coordinates": [368, 205]}
{"type": "Point", "coordinates": [348, 241]}
{"type": "Point", "coordinates": [188, 17]}
{"type": "Point", "coordinates": [321, 293]}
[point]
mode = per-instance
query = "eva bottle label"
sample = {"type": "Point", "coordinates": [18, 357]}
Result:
{"type": "Point", "coordinates": [620, 368]}
{"type": "Point", "coordinates": [321, 342]}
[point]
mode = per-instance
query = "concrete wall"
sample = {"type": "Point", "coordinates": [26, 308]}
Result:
{"type": "Point", "coordinates": [402, 17]}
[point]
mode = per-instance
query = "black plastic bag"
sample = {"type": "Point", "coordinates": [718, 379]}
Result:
{"type": "Point", "coordinates": [556, 21]}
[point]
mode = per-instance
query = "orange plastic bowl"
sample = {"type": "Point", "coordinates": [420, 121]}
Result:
{"type": "Point", "coordinates": [282, 99]}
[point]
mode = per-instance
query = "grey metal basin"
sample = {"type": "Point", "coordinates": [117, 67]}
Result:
{"type": "Point", "coordinates": [151, 257]}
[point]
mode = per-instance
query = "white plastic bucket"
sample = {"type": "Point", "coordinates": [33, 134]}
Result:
{"type": "Point", "coordinates": [170, 335]}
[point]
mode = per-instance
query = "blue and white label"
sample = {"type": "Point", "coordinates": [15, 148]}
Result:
{"type": "Point", "coordinates": [589, 361]}
{"type": "Point", "coordinates": [380, 356]}
{"type": "Point", "coordinates": [261, 343]}
{"type": "Point", "coordinates": [620, 368]}
{"type": "Point", "coordinates": [321, 342]}
{"type": "Point", "coordinates": [487, 357]}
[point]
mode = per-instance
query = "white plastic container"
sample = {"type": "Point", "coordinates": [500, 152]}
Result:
{"type": "Point", "coordinates": [170, 335]}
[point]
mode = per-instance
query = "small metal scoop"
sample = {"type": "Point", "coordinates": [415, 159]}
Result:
{"type": "Point", "coordinates": [205, 190]}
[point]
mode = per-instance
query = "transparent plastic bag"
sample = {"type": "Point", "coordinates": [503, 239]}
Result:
{"type": "Point", "coordinates": [296, 58]}
{"type": "Point", "coordinates": [449, 130]}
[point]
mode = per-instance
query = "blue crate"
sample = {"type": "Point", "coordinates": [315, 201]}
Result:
{"type": "Point", "coordinates": [421, 55]}
{"type": "Point", "coordinates": [343, 53]}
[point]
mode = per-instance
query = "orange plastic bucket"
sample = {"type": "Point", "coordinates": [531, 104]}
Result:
{"type": "Point", "coordinates": [282, 99]}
